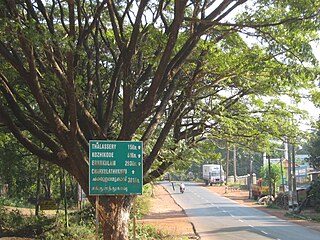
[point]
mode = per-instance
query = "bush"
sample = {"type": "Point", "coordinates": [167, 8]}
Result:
{"type": "Point", "coordinates": [14, 223]}
{"type": "Point", "coordinates": [81, 223]}
{"type": "Point", "coordinates": [77, 229]}
{"type": "Point", "coordinates": [15, 202]}
{"type": "Point", "coordinates": [87, 214]}
{"type": "Point", "coordinates": [145, 232]}
{"type": "Point", "coordinates": [281, 200]}
{"type": "Point", "coordinates": [143, 202]}
{"type": "Point", "coordinates": [315, 191]}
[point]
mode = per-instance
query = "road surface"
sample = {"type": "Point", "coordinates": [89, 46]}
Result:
{"type": "Point", "coordinates": [216, 217]}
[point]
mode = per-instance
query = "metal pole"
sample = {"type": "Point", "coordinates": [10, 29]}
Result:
{"type": "Point", "coordinates": [38, 188]}
{"type": "Point", "coordinates": [250, 180]}
{"type": "Point", "coordinates": [294, 182]}
{"type": "Point", "coordinates": [65, 199]}
{"type": "Point", "coordinates": [227, 167]}
{"type": "Point", "coordinates": [97, 218]}
{"type": "Point", "coordinates": [290, 202]}
{"type": "Point", "coordinates": [282, 175]}
{"type": "Point", "coordinates": [134, 218]}
{"type": "Point", "coordinates": [234, 163]}
{"type": "Point", "coordinates": [221, 180]}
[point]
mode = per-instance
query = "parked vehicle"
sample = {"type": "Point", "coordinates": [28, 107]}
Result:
{"type": "Point", "coordinates": [260, 189]}
{"type": "Point", "coordinates": [212, 173]}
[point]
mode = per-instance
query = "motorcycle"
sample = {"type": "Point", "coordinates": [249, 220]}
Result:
{"type": "Point", "coordinates": [182, 188]}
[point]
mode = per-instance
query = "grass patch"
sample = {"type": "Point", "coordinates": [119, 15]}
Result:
{"type": "Point", "coordinates": [143, 202]}
{"type": "Point", "coordinates": [309, 216]}
{"type": "Point", "coordinates": [274, 206]}
{"type": "Point", "coordinates": [81, 226]}
{"type": "Point", "coordinates": [13, 223]}
{"type": "Point", "coordinates": [15, 202]}
{"type": "Point", "coordinates": [234, 185]}
{"type": "Point", "coordinates": [147, 232]}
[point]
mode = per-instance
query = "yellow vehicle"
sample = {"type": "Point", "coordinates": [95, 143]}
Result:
{"type": "Point", "coordinates": [260, 189]}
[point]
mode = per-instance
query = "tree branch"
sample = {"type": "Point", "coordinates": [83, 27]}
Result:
{"type": "Point", "coordinates": [7, 120]}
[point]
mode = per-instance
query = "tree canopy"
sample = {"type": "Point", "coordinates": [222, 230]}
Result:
{"type": "Point", "coordinates": [72, 71]}
{"type": "Point", "coordinates": [312, 147]}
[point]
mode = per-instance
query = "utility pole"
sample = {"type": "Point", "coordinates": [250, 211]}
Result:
{"type": "Point", "coordinates": [270, 184]}
{"type": "Point", "coordinates": [227, 167]}
{"type": "Point", "coordinates": [281, 169]}
{"type": "Point", "coordinates": [250, 180]}
{"type": "Point", "coordinates": [286, 156]}
{"type": "Point", "coordinates": [66, 218]}
{"type": "Point", "coordinates": [234, 163]}
{"type": "Point", "coordinates": [38, 188]}
{"type": "Point", "coordinates": [293, 202]}
{"type": "Point", "coordinates": [294, 182]}
{"type": "Point", "coordinates": [221, 180]}
{"type": "Point", "coordinates": [290, 200]}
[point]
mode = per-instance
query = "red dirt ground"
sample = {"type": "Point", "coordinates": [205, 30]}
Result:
{"type": "Point", "coordinates": [168, 216]}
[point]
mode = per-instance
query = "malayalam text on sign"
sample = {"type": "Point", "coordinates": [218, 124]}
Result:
{"type": "Point", "coordinates": [115, 167]}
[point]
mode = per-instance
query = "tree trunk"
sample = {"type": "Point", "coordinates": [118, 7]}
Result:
{"type": "Point", "coordinates": [274, 187]}
{"type": "Point", "coordinates": [114, 214]}
{"type": "Point", "coordinates": [227, 163]}
{"type": "Point", "coordinates": [234, 164]}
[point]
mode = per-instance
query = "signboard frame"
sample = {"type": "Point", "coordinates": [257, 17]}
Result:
{"type": "Point", "coordinates": [115, 167]}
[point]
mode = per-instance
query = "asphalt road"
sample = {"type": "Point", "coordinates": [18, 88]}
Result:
{"type": "Point", "coordinates": [215, 217]}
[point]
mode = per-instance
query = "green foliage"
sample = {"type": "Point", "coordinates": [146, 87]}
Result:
{"type": "Point", "coordinates": [315, 191]}
{"type": "Point", "coordinates": [170, 78]}
{"type": "Point", "coordinates": [79, 228]}
{"type": "Point", "coordinates": [274, 176]}
{"type": "Point", "coordinates": [312, 147]}
{"type": "Point", "coordinates": [41, 227]}
{"type": "Point", "coordinates": [314, 217]}
{"type": "Point", "coordinates": [86, 214]}
{"type": "Point", "coordinates": [20, 175]}
{"type": "Point", "coordinates": [178, 153]}
{"type": "Point", "coordinates": [15, 202]}
{"type": "Point", "coordinates": [275, 173]}
{"type": "Point", "coordinates": [206, 153]}
{"type": "Point", "coordinates": [17, 168]}
{"type": "Point", "coordinates": [145, 232]}
{"type": "Point", "coordinates": [12, 218]}
{"type": "Point", "coordinates": [143, 201]}
{"type": "Point", "coordinates": [14, 223]}
{"type": "Point", "coordinates": [81, 223]}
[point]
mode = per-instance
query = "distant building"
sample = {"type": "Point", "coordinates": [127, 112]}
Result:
{"type": "Point", "coordinates": [302, 167]}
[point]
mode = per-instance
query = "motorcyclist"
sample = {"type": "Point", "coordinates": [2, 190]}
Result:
{"type": "Point", "coordinates": [182, 187]}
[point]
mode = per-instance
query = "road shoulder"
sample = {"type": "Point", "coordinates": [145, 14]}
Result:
{"type": "Point", "coordinates": [166, 215]}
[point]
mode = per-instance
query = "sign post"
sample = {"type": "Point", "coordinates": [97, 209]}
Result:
{"type": "Point", "coordinates": [115, 167]}
{"type": "Point", "coordinates": [134, 218]}
{"type": "Point", "coordinates": [97, 218]}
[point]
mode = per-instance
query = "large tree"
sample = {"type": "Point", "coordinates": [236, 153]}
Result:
{"type": "Point", "coordinates": [145, 70]}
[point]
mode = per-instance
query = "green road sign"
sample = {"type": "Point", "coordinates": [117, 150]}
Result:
{"type": "Point", "coordinates": [115, 167]}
